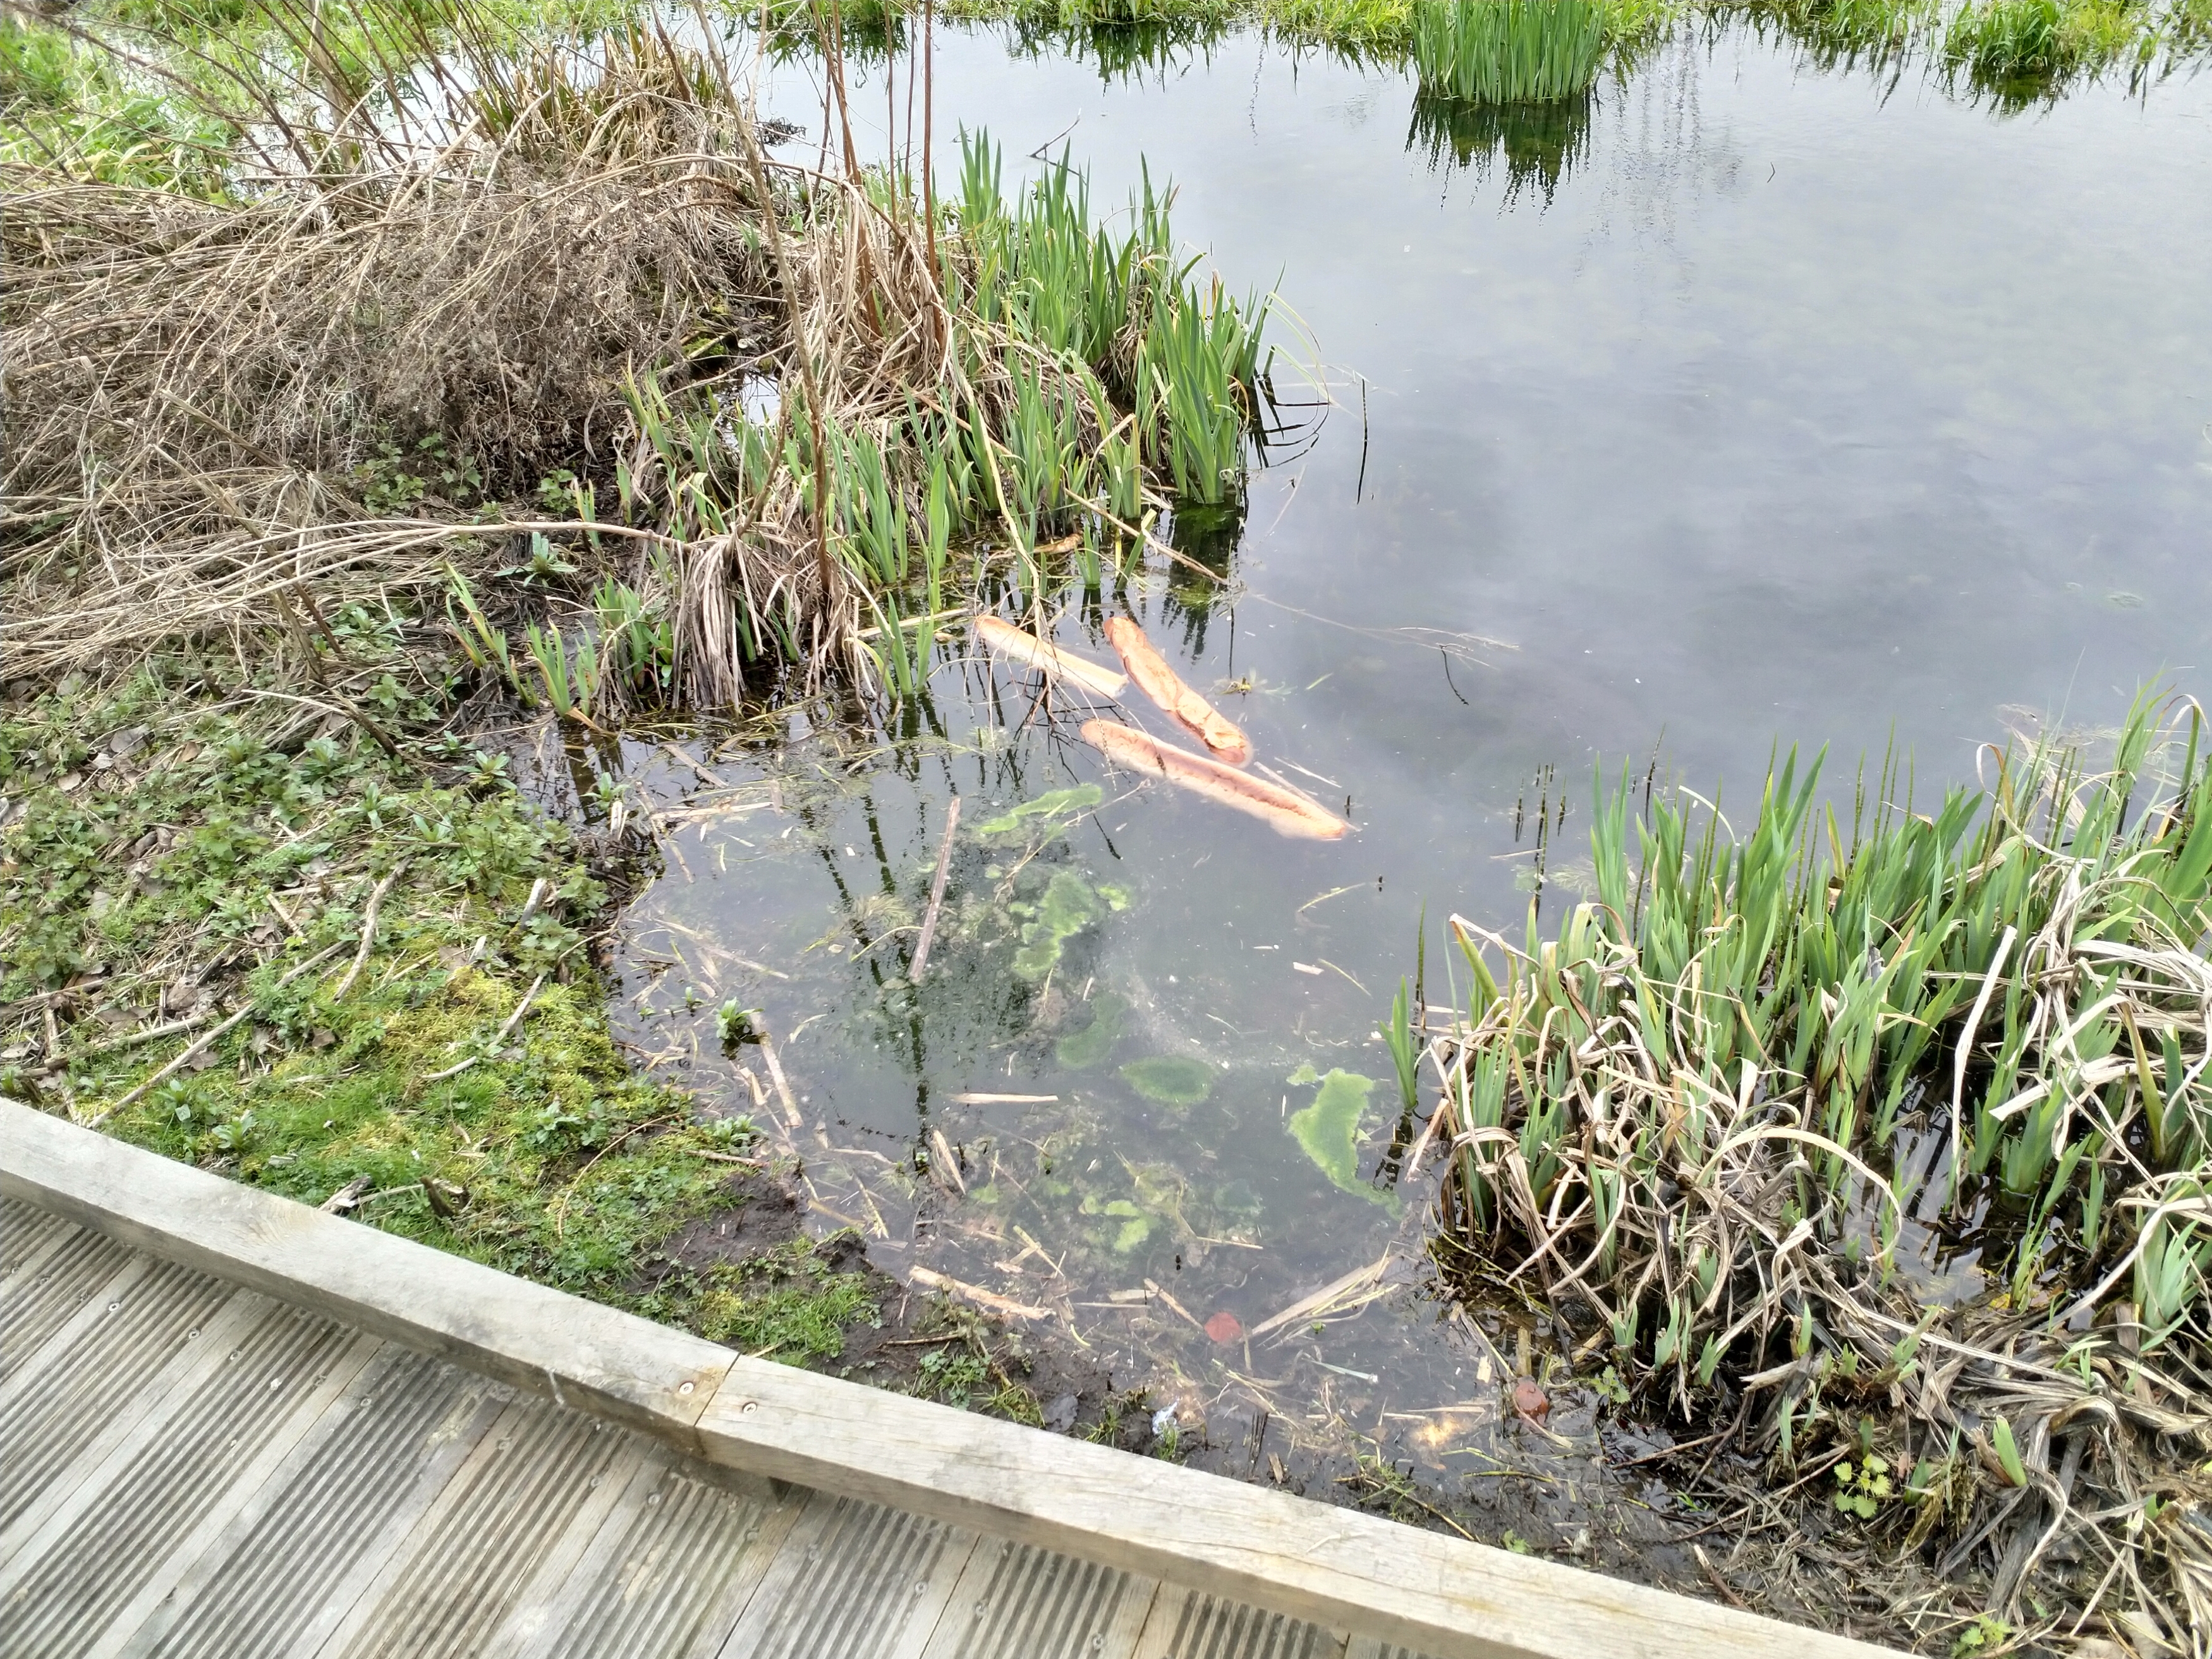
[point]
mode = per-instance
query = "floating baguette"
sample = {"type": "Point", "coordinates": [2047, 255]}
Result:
{"type": "Point", "coordinates": [1285, 812]}
{"type": "Point", "coordinates": [1010, 640]}
{"type": "Point", "coordinates": [1158, 681]}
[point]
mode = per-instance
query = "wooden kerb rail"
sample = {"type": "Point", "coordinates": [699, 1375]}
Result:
{"type": "Point", "coordinates": [1335, 1567]}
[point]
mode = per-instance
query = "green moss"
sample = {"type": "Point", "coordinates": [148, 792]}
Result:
{"type": "Point", "coordinates": [787, 1304]}
{"type": "Point", "coordinates": [1170, 1079]}
{"type": "Point", "coordinates": [223, 846]}
{"type": "Point", "coordinates": [1078, 1051]}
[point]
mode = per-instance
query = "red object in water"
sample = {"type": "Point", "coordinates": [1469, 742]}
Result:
{"type": "Point", "coordinates": [1223, 1329]}
{"type": "Point", "coordinates": [1529, 1401]}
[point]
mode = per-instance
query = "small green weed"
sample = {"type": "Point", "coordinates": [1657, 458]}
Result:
{"type": "Point", "coordinates": [950, 1375]}
{"type": "Point", "coordinates": [1862, 1488]}
{"type": "Point", "coordinates": [1987, 1634]}
{"type": "Point", "coordinates": [736, 1024]}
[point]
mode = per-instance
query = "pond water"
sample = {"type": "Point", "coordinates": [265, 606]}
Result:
{"type": "Point", "coordinates": [1754, 403]}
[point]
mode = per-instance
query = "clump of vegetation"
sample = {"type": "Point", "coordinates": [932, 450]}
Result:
{"type": "Point", "coordinates": [1329, 1131]}
{"type": "Point", "coordinates": [1170, 1079]}
{"type": "Point", "coordinates": [2008, 40]}
{"type": "Point", "coordinates": [2013, 53]}
{"type": "Point", "coordinates": [567, 273]}
{"type": "Point", "coordinates": [786, 1303]}
{"type": "Point", "coordinates": [1724, 1114]}
{"type": "Point", "coordinates": [1508, 51]}
{"type": "Point", "coordinates": [239, 930]}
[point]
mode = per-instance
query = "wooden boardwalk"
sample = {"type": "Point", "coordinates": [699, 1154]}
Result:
{"type": "Point", "coordinates": [232, 1426]}
{"type": "Point", "coordinates": [193, 1469]}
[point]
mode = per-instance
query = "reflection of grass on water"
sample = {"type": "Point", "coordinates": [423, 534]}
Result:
{"type": "Point", "coordinates": [1538, 143]}
{"type": "Point", "coordinates": [1124, 52]}
{"type": "Point", "coordinates": [2013, 51]}
{"type": "Point", "coordinates": [1847, 33]}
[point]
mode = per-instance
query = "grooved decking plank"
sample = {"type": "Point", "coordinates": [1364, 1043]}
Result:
{"type": "Point", "coordinates": [468, 1559]}
{"type": "Point", "coordinates": [636, 1462]}
{"type": "Point", "coordinates": [96, 1377]}
{"type": "Point", "coordinates": [105, 1559]}
{"type": "Point", "coordinates": [666, 1577]}
{"type": "Point", "coordinates": [26, 1234]}
{"type": "Point", "coordinates": [76, 1483]}
{"type": "Point", "coordinates": [296, 1556]}
{"type": "Point", "coordinates": [44, 1298]}
{"type": "Point", "coordinates": [1192, 1625]}
{"type": "Point", "coordinates": [1014, 1601]}
{"type": "Point", "coordinates": [855, 1580]}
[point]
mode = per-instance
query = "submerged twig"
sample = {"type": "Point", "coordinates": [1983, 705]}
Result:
{"type": "Point", "coordinates": [936, 891]}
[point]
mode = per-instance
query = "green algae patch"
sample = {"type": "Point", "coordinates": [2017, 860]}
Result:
{"type": "Point", "coordinates": [1054, 804]}
{"type": "Point", "coordinates": [1078, 1051]}
{"type": "Point", "coordinates": [1068, 906]}
{"type": "Point", "coordinates": [1170, 1079]}
{"type": "Point", "coordinates": [1136, 1226]}
{"type": "Point", "coordinates": [1329, 1131]}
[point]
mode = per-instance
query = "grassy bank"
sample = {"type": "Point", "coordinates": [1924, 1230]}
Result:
{"type": "Point", "coordinates": [1888, 1139]}
{"type": "Point", "coordinates": [241, 932]}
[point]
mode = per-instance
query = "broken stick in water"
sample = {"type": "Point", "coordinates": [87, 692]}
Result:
{"type": "Point", "coordinates": [1159, 682]}
{"type": "Point", "coordinates": [990, 1301]}
{"type": "Point", "coordinates": [1284, 810]}
{"type": "Point", "coordinates": [936, 893]}
{"type": "Point", "coordinates": [1012, 641]}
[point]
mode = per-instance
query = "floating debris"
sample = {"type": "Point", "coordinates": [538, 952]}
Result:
{"type": "Point", "coordinates": [1223, 1328]}
{"type": "Point", "coordinates": [1159, 682]}
{"type": "Point", "coordinates": [990, 1301]}
{"type": "Point", "coordinates": [1009, 640]}
{"type": "Point", "coordinates": [1530, 1400]}
{"type": "Point", "coordinates": [1284, 810]}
